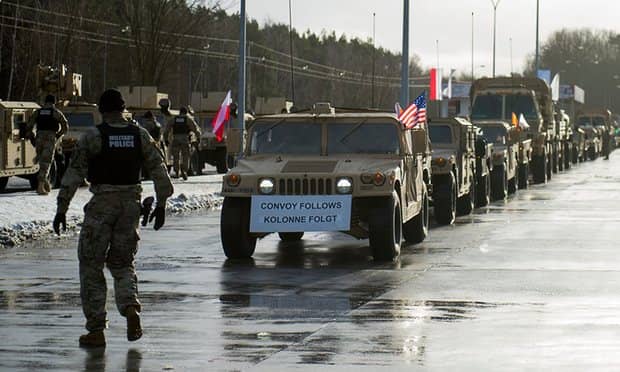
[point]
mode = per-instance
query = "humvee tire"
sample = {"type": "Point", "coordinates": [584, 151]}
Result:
{"type": "Point", "coordinates": [592, 153]}
{"type": "Point", "coordinates": [385, 223]}
{"type": "Point", "coordinates": [483, 191]}
{"type": "Point", "coordinates": [416, 229]}
{"type": "Point", "coordinates": [3, 182]}
{"type": "Point", "coordinates": [499, 185]}
{"type": "Point", "coordinates": [512, 185]}
{"type": "Point", "coordinates": [575, 157]}
{"type": "Point", "coordinates": [539, 168]}
{"type": "Point", "coordinates": [523, 173]}
{"type": "Point", "coordinates": [549, 167]}
{"type": "Point", "coordinates": [465, 204]}
{"type": "Point", "coordinates": [220, 160]}
{"type": "Point", "coordinates": [444, 204]}
{"type": "Point", "coordinates": [291, 236]}
{"type": "Point", "coordinates": [235, 228]}
{"type": "Point", "coordinates": [568, 155]}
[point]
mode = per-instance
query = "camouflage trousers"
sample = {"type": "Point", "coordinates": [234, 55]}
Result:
{"type": "Point", "coordinates": [45, 147]}
{"type": "Point", "coordinates": [109, 237]}
{"type": "Point", "coordinates": [180, 155]}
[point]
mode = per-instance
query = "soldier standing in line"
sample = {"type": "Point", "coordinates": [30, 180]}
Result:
{"type": "Point", "coordinates": [110, 157]}
{"type": "Point", "coordinates": [181, 127]}
{"type": "Point", "coordinates": [51, 125]}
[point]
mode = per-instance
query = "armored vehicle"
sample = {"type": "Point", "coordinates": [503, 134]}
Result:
{"type": "Point", "coordinates": [453, 168]}
{"type": "Point", "coordinates": [602, 121]}
{"type": "Point", "coordinates": [500, 98]}
{"type": "Point", "coordinates": [17, 155]}
{"type": "Point", "coordinates": [510, 157]}
{"type": "Point", "coordinates": [593, 136]}
{"type": "Point", "coordinates": [484, 168]}
{"type": "Point", "coordinates": [564, 133]}
{"type": "Point", "coordinates": [360, 173]}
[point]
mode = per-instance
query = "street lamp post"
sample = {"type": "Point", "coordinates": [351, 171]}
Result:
{"type": "Point", "coordinates": [241, 88]}
{"type": "Point", "coordinates": [537, 59]}
{"type": "Point", "coordinates": [495, 4]}
{"type": "Point", "coordinates": [404, 75]}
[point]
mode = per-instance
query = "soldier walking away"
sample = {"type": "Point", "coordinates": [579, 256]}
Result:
{"type": "Point", "coordinates": [151, 124]}
{"type": "Point", "coordinates": [51, 125]}
{"type": "Point", "coordinates": [110, 157]}
{"type": "Point", "coordinates": [181, 127]}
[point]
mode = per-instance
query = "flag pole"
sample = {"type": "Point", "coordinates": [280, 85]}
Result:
{"type": "Point", "coordinates": [404, 75]}
{"type": "Point", "coordinates": [241, 88]}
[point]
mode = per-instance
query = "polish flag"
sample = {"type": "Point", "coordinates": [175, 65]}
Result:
{"type": "Point", "coordinates": [223, 115]}
{"type": "Point", "coordinates": [435, 85]}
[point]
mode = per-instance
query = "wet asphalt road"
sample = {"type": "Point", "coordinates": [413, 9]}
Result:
{"type": "Point", "coordinates": [531, 283]}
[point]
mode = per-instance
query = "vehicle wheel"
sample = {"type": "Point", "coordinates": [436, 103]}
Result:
{"type": "Point", "coordinates": [591, 153]}
{"type": "Point", "coordinates": [220, 159]}
{"type": "Point", "coordinates": [3, 182]}
{"type": "Point", "coordinates": [554, 161]}
{"type": "Point", "coordinates": [560, 163]}
{"type": "Point", "coordinates": [568, 155]}
{"type": "Point", "coordinates": [549, 167]}
{"type": "Point", "coordinates": [465, 204]}
{"type": "Point", "coordinates": [524, 170]}
{"type": "Point", "coordinates": [575, 156]}
{"type": "Point", "coordinates": [483, 189]}
{"type": "Point", "coordinates": [291, 236]}
{"type": "Point", "coordinates": [499, 183]}
{"type": "Point", "coordinates": [235, 228]}
{"type": "Point", "coordinates": [385, 224]}
{"type": "Point", "coordinates": [512, 185]}
{"type": "Point", "coordinates": [416, 229]}
{"type": "Point", "coordinates": [444, 200]}
{"type": "Point", "coordinates": [539, 168]}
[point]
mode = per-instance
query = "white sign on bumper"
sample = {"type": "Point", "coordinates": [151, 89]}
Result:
{"type": "Point", "coordinates": [279, 213]}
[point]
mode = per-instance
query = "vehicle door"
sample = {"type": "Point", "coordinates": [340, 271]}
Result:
{"type": "Point", "coordinates": [16, 148]}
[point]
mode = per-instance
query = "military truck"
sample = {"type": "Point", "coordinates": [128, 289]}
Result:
{"type": "Point", "coordinates": [510, 157]}
{"type": "Point", "coordinates": [601, 119]}
{"type": "Point", "coordinates": [81, 117]}
{"type": "Point", "coordinates": [18, 155]}
{"type": "Point", "coordinates": [588, 122]}
{"type": "Point", "coordinates": [360, 173]}
{"type": "Point", "coordinates": [453, 168]}
{"type": "Point", "coordinates": [484, 168]}
{"type": "Point", "coordinates": [500, 98]}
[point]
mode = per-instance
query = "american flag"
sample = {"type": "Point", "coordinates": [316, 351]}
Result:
{"type": "Point", "coordinates": [415, 114]}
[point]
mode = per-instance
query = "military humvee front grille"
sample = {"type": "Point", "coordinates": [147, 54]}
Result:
{"type": "Point", "coordinates": [305, 186]}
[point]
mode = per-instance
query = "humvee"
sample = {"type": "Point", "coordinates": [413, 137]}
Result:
{"type": "Point", "coordinates": [453, 168]}
{"type": "Point", "coordinates": [565, 135]}
{"type": "Point", "coordinates": [81, 117]}
{"type": "Point", "coordinates": [500, 98]}
{"type": "Point", "coordinates": [593, 137]}
{"type": "Point", "coordinates": [17, 155]}
{"type": "Point", "coordinates": [510, 157]}
{"type": "Point", "coordinates": [360, 173]}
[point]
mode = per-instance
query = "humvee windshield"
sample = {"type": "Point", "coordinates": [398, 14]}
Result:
{"type": "Point", "coordinates": [440, 133]}
{"type": "Point", "coordinates": [362, 138]}
{"type": "Point", "coordinates": [598, 120]}
{"type": "Point", "coordinates": [80, 119]}
{"type": "Point", "coordinates": [495, 106]}
{"type": "Point", "coordinates": [496, 135]}
{"type": "Point", "coordinates": [286, 138]}
{"type": "Point", "coordinates": [18, 119]}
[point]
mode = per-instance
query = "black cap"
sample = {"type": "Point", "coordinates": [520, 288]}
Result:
{"type": "Point", "coordinates": [183, 110]}
{"type": "Point", "coordinates": [50, 99]}
{"type": "Point", "coordinates": [111, 101]}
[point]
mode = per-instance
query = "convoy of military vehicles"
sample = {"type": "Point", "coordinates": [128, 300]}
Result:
{"type": "Point", "coordinates": [354, 171]}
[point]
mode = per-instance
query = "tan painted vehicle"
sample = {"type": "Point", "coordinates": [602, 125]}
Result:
{"type": "Point", "coordinates": [17, 155]}
{"type": "Point", "coordinates": [510, 158]}
{"type": "Point", "coordinates": [359, 173]}
{"type": "Point", "coordinates": [579, 145]}
{"type": "Point", "coordinates": [564, 130]}
{"type": "Point", "coordinates": [588, 122]}
{"type": "Point", "coordinates": [81, 116]}
{"type": "Point", "coordinates": [453, 168]}
{"type": "Point", "coordinates": [602, 120]}
{"type": "Point", "coordinates": [484, 168]}
{"type": "Point", "coordinates": [498, 98]}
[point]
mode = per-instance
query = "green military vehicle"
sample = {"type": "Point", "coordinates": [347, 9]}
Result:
{"type": "Point", "coordinates": [360, 173]}
{"type": "Point", "coordinates": [500, 98]}
{"type": "Point", "coordinates": [18, 155]}
{"type": "Point", "coordinates": [453, 168]}
{"type": "Point", "coordinates": [511, 157]}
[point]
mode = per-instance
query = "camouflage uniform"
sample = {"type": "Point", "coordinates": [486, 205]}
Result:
{"type": "Point", "coordinates": [47, 140]}
{"type": "Point", "coordinates": [109, 234]}
{"type": "Point", "coordinates": [180, 145]}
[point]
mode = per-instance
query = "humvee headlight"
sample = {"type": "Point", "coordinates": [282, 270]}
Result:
{"type": "Point", "coordinates": [378, 179]}
{"type": "Point", "coordinates": [344, 186]}
{"type": "Point", "coordinates": [440, 162]}
{"type": "Point", "coordinates": [233, 180]}
{"type": "Point", "coordinates": [266, 186]}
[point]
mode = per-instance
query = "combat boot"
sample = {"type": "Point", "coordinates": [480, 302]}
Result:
{"type": "Point", "coordinates": [41, 190]}
{"type": "Point", "coordinates": [92, 339]}
{"type": "Point", "coordinates": [134, 329]}
{"type": "Point", "coordinates": [47, 186]}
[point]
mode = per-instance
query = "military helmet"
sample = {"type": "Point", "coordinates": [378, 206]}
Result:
{"type": "Point", "coordinates": [183, 110]}
{"type": "Point", "coordinates": [111, 101]}
{"type": "Point", "coordinates": [50, 99]}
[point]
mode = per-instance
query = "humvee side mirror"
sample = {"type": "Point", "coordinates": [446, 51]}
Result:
{"type": "Point", "coordinates": [420, 143]}
{"type": "Point", "coordinates": [234, 142]}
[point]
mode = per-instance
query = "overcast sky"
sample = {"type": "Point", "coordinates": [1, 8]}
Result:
{"type": "Point", "coordinates": [448, 21]}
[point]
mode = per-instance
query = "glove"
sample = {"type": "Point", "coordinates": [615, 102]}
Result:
{"type": "Point", "coordinates": [159, 214]}
{"type": "Point", "coordinates": [147, 206]}
{"type": "Point", "coordinates": [60, 219]}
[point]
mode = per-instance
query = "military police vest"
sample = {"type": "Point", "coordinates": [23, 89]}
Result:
{"type": "Point", "coordinates": [120, 160]}
{"type": "Point", "coordinates": [180, 125]}
{"type": "Point", "coordinates": [47, 121]}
